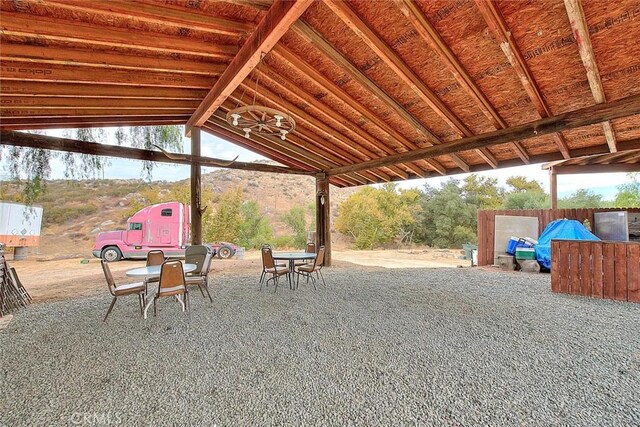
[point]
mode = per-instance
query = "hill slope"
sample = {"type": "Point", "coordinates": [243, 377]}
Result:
{"type": "Point", "coordinates": [74, 211]}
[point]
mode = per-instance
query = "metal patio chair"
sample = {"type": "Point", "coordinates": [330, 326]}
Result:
{"type": "Point", "coordinates": [270, 267]}
{"type": "Point", "coordinates": [309, 268]}
{"type": "Point", "coordinates": [122, 290]}
{"type": "Point", "coordinates": [171, 284]}
{"type": "Point", "coordinates": [201, 256]}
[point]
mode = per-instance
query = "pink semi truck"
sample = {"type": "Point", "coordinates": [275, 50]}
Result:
{"type": "Point", "coordinates": [164, 226]}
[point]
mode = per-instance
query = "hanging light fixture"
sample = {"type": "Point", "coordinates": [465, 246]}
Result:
{"type": "Point", "coordinates": [261, 119]}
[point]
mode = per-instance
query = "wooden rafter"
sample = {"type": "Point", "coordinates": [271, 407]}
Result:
{"type": "Point", "coordinates": [497, 25]}
{"type": "Point", "coordinates": [88, 90]}
{"type": "Point", "coordinates": [583, 40]}
{"type": "Point", "coordinates": [21, 71]}
{"type": "Point", "coordinates": [57, 103]}
{"type": "Point", "coordinates": [157, 15]}
{"type": "Point", "coordinates": [408, 76]}
{"type": "Point", "coordinates": [53, 29]}
{"type": "Point", "coordinates": [313, 37]}
{"type": "Point", "coordinates": [584, 117]}
{"type": "Point", "coordinates": [310, 147]}
{"type": "Point", "coordinates": [105, 59]}
{"type": "Point", "coordinates": [428, 32]}
{"type": "Point", "coordinates": [340, 144]}
{"type": "Point", "coordinates": [282, 53]}
{"type": "Point", "coordinates": [273, 26]}
{"type": "Point", "coordinates": [288, 87]}
{"type": "Point", "coordinates": [89, 122]}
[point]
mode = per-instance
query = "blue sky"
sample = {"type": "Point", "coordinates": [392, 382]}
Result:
{"type": "Point", "coordinates": [603, 183]}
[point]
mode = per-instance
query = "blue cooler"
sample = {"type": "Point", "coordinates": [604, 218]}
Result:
{"type": "Point", "coordinates": [516, 242]}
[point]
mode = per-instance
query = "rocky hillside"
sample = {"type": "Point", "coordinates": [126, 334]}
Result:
{"type": "Point", "coordinates": [74, 211]}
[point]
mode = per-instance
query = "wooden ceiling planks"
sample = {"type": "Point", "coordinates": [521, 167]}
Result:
{"type": "Point", "coordinates": [363, 96]}
{"type": "Point", "coordinates": [272, 27]}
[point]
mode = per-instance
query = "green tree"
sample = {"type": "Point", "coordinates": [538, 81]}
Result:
{"type": "Point", "coordinates": [31, 167]}
{"type": "Point", "coordinates": [296, 221]}
{"type": "Point", "coordinates": [224, 222]}
{"type": "Point", "coordinates": [525, 194]}
{"type": "Point", "coordinates": [375, 216]}
{"type": "Point", "coordinates": [526, 200]}
{"type": "Point", "coordinates": [448, 220]}
{"type": "Point", "coordinates": [521, 184]}
{"type": "Point", "coordinates": [255, 229]}
{"type": "Point", "coordinates": [482, 192]}
{"type": "Point", "coordinates": [581, 198]}
{"type": "Point", "coordinates": [628, 195]}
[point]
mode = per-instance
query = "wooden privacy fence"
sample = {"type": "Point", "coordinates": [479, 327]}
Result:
{"type": "Point", "coordinates": [596, 269]}
{"type": "Point", "coordinates": [486, 224]}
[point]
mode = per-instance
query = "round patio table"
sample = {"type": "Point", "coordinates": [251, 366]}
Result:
{"type": "Point", "coordinates": [292, 257]}
{"type": "Point", "coordinates": [154, 271]}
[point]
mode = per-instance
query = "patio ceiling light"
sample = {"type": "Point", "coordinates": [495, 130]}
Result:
{"type": "Point", "coordinates": [260, 119]}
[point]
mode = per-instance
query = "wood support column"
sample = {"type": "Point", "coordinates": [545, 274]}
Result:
{"type": "Point", "coordinates": [323, 216]}
{"type": "Point", "coordinates": [553, 184]}
{"type": "Point", "coordinates": [196, 190]}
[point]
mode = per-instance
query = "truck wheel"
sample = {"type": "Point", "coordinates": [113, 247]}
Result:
{"type": "Point", "coordinates": [111, 254]}
{"type": "Point", "coordinates": [225, 252]}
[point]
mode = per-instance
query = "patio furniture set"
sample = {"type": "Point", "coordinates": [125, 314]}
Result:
{"type": "Point", "coordinates": [309, 262]}
{"type": "Point", "coordinates": [173, 278]}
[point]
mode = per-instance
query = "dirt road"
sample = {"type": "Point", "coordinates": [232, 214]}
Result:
{"type": "Point", "coordinates": [54, 279]}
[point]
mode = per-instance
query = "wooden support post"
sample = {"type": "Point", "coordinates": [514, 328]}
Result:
{"type": "Point", "coordinates": [553, 184]}
{"type": "Point", "coordinates": [323, 216]}
{"type": "Point", "coordinates": [196, 190]}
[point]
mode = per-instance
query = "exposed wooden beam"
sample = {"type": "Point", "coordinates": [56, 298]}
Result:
{"type": "Point", "coordinates": [313, 37]}
{"type": "Point", "coordinates": [584, 117]}
{"type": "Point", "coordinates": [105, 59]}
{"type": "Point", "coordinates": [90, 121]}
{"type": "Point", "coordinates": [85, 112]}
{"type": "Point", "coordinates": [406, 74]}
{"type": "Point", "coordinates": [47, 28]}
{"type": "Point", "coordinates": [340, 145]}
{"type": "Point", "coordinates": [597, 168]}
{"type": "Point", "coordinates": [496, 23]}
{"type": "Point", "coordinates": [428, 32]}
{"type": "Point", "coordinates": [304, 146]}
{"type": "Point", "coordinates": [284, 54]}
{"type": "Point", "coordinates": [553, 188]}
{"type": "Point", "coordinates": [275, 153]}
{"type": "Point", "coordinates": [273, 26]}
{"type": "Point", "coordinates": [337, 121]}
{"type": "Point", "coordinates": [21, 139]}
{"type": "Point", "coordinates": [218, 126]}
{"type": "Point", "coordinates": [583, 40]}
{"type": "Point", "coordinates": [159, 15]}
{"type": "Point", "coordinates": [88, 90]}
{"type": "Point", "coordinates": [74, 74]}
{"type": "Point", "coordinates": [56, 103]}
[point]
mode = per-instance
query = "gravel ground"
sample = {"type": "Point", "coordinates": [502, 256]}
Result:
{"type": "Point", "coordinates": [428, 347]}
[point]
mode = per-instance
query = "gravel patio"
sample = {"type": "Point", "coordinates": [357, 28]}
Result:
{"type": "Point", "coordinates": [425, 347]}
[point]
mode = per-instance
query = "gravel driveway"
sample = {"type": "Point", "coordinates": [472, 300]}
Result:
{"type": "Point", "coordinates": [427, 347]}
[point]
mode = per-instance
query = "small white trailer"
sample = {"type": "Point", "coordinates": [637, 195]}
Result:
{"type": "Point", "coordinates": [20, 227]}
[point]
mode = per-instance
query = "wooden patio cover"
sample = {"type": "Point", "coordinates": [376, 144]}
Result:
{"type": "Point", "coordinates": [380, 90]}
